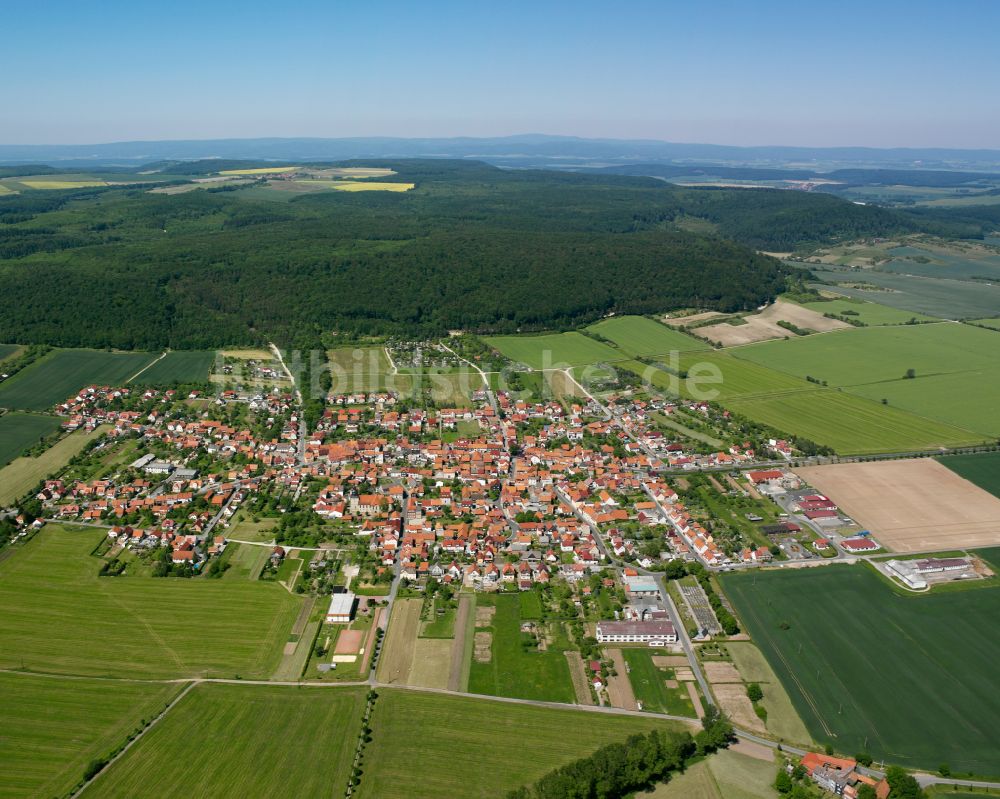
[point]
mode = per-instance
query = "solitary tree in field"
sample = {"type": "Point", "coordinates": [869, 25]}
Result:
{"type": "Point", "coordinates": [911, 373]}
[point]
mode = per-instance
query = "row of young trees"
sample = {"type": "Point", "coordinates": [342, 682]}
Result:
{"type": "Point", "coordinates": [616, 770]}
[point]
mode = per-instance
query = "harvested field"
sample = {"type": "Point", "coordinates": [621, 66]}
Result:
{"type": "Point", "coordinates": [754, 750]}
{"type": "Point", "coordinates": [349, 642]}
{"type": "Point", "coordinates": [734, 703]}
{"type": "Point", "coordinates": [396, 660]}
{"type": "Point", "coordinates": [720, 671]}
{"type": "Point", "coordinates": [764, 326]}
{"type": "Point", "coordinates": [619, 687]}
{"type": "Point", "coordinates": [578, 672]}
{"type": "Point", "coordinates": [431, 662]}
{"type": "Point", "coordinates": [248, 355]}
{"type": "Point", "coordinates": [669, 661]}
{"type": "Point", "coordinates": [684, 674]}
{"type": "Point", "coordinates": [911, 505]}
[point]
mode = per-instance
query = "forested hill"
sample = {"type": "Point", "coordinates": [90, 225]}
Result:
{"type": "Point", "coordinates": [471, 246]}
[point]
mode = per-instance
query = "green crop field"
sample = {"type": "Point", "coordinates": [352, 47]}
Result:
{"type": "Point", "coordinates": [637, 335]}
{"type": "Point", "coordinates": [178, 366]}
{"type": "Point", "coordinates": [51, 728]}
{"type": "Point", "coordinates": [649, 683]}
{"type": "Point", "coordinates": [982, 469]}
{"type": "Point", "coordinates": [966, 399]}
{"type": "Point", "coordinates": [936, 296]}
{"type": "Point", "coordinates": [245, 741]}
{"type": "Point", "coordinates": [868, 355]}
{"type": "Point", "coordinates": [513, 671]}
{"type": "Point", "coordinates": [991, 323]}
{"type": "Point", "coordinates": [738, 378]}
{"type": "Point", "coordinates": [62, 373]}
{"type": "Point", "coordinates": [21, 430]}
{"type": "Point", "coordinates": [456, 735]}
{"type": "Point", "coordinates": [909, 678]}
{"type": "Point", "coordinates": [557, 350]}
{"type": "Point", "coordinates": [852, 425]}
{"type": "Point", "coordinates": [59, 616]}
{"type": "Point", "coordinates": [871, 313]}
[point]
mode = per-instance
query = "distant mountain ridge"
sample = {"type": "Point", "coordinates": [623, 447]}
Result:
{"type": "Point", "coordinates": [521, 150]}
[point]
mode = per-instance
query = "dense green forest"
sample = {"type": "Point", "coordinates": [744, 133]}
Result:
{"type": "Point", "coordinates": [472, 247]}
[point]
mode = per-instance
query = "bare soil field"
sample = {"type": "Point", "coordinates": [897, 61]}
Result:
{"type": "Point", "coordinates": [720, 671]}
{"type": "Point", "coordinates": [396, 661]}
{"type": "Point", "coordinates": [911, 505]}
{"type": "Point", "coordinates": [764, 326]}
{"type": "Point", "coordinates": [619, 686]}
{"type": "Point", "coordinates": [681, 321]}
{"type": "Point", "coordinates": [348, 642]}
{"type": "Point", "coordinates": [734, 703]}
{"type": "Point", "coordinates": [483, 647]}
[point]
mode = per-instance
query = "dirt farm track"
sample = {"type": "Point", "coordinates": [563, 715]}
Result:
{"type": "Point", "coordinates": [911, 505]}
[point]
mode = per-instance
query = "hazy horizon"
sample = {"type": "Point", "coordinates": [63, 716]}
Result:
{"type": "Point", "coordinates": [894, 74]}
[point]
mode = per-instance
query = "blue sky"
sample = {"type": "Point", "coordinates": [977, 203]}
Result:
{"type": "Point", "coordinates": [879, 73]}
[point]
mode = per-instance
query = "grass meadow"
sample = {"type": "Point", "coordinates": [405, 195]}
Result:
{"type": "Point", "coordinates": [982, 469]}
{"type": "Point", "coordinates": [242, 741]}
{"type": "Point", "coordinates": [21, 430]}
{"type": "Point", "coordinates": [456, 735]}
{"type": "Point", "coordinates": [910, 679]}
{"type": "Point", "coordinates": [555, 350]}
{"type": "Point", "coordinates": [649, 684]}
{"type": "Point", "coordinates": [178, 366]}
{"type": "Point", "coordinates": [60, 374]}
{"type": "Point", "coordinates": [6, 350]}
{"type": "Point", "coordinates": [60, 617]}
{"type": "Point", "coordinates": [59, 726]}
{"type": "Point", "coordinates": [513, 670]}
{"type": "Point", "coordinates": [638, 335]}
{"type": "Point", "coordinates": [871, 313]}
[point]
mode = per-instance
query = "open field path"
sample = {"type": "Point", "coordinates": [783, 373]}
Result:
{"type": "Point", "coordinates": [144, 368]}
